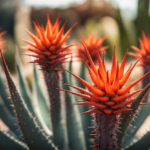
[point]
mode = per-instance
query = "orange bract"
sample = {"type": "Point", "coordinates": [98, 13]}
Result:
{"type": "Point", "coordinates": [48, 44]}
{"type": "Point", "coordinates": [108, 94]}
{"type": "Point", "coordinates": [93, 44]}
{"type": "Point", "coordinates": [2, 41]}
{"type": "Point", "coordinates": [144, 52]}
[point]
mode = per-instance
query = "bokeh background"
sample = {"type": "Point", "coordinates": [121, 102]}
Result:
{"type": "Point", "coordinates": [121, 21]}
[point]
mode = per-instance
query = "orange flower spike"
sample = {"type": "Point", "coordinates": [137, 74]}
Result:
{"type": "Point", "coordinates": [101, 68]}
{"type": "Point", "coordinates": [113, 69]}
{"type": "Point", "coordinates": [101, 106]}
{"type": "Point", "coordinates": [92, 111]}
{"type": "Point", "coordinates": [90, 59]}
{"type": "Point", "coordinates": [145, 41]}
{"type": "Point", "coordinates": [115, 85]}
{"type": "Point", "coordinates": [32, 44]}
{"type": "Point", "coordinates": [49, 29]}
{"type": "Point", "coordinates": [2, 33]}
{"type": "Point", "coordinates": [96, 91]}
{"type": "Point", "coordinates": [100, 82]}
{"type": "Point", "coordinates": [128, 87]}
{"type": "Point", "coordinates": [137, 50]}
{"type": "Point", "coordinates": [58, 38]}
{"type": "Point", "coordinates": [92, 75]}
{"type": "Point", "coordinates": [121, 110]}
{"type": "Point", "coordinates": [46, 42]}
{"type": "Point", "coordinates": [55, 30]}
{"type": "Point", "coordinates": [126, 76]}
{"type": "Point", "coordinates": [135, 55]}
{"type": "Point", "coordinates": [141, 44]}
{"type": "Point", "coordinates": [65, 36]}
{"type": "Point", "coordinates": [108, 89]}
{"type": "Point", "coordinates": [61, 50]}
{"type": "Point", "coordinates": [121, 70]}
{"type": "Point", "coordinates": [101, 41]}
{"type": "Point", "coordinates": [103, 99]}
{"type": "Point", "coordinates": [148, 40]}
{"type": "Point", "coordinates": [123, 103]}
{"type": "Point", "coordinates": [104, 62]}
{"type": "Point", "coordinates": [38, 32]}
{"type": "Point", "coordinates": [55, 26]}
{"type": "Point", "coordinates": [123, 97]}
{"type": "Point", "coordinates": [81, 95]}
{"type": "Point", "coordinates": [36, 40]}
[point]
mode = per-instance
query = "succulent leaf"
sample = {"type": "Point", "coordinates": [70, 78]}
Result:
{"type": "Point", "coordinates": [9, 142]}
{"type": "Point", "coordinates": [74, 124]}
{"type": "Point", "coordinates": [34, 136]}
{"type": "Point", "coordinates": [5, 95]}
{"type": "Point", "coordinates": [31, 104]}
{"type": "Point", "coordinates": [128, 116]}
{"type": "Point", "coordinates": [9, 120]}
{"type": "Point", "coordinates": [141, 143]}
{"type": "Point", "coordinates": [42, 102]}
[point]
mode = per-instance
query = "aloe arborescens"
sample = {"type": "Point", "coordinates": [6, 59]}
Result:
{"type": "Point", "coordinates": [50, 54]}
{"type": "Point", "coordinates": [108, 97]}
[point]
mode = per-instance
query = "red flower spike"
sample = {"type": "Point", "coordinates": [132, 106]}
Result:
{"type": "Point", "coordinates": [108, 111]}
{"type": "Point", "coordinates": [102, 70]}
{"type": "Point", "coordinates": [102, 99]}
{"type": "Point", "coordinates": [127, 88]}
{"type": "Point", "coordinates": [108, 88]}
{"type": "Point", "coordinates": [142, 53]}
{"type": "Point", "coordinates": [121, 70]}
{"type": "Point", "coordinates": [126, 76]}
{"type": "Point", "coordinates": [115, 85]}
{"type": "Point", "coordinates": [90, 59]}
{"type": "Point", "coordinates": [49, 42]}
{"type": "Point", "coordinates": [113, 69]}
{"type": "Point", "coordinates": [96, 91]}
{"type": "Point", "coordinates": [2, 41]}
{"type": "Point", "coordinates": [92, 75]}
{"type": "Point", "coordinates": [92, 111]}
{"type": "Point", "coordinates": [121, 98]}
{"type": "Point", "coordinates": [123, 104]}
{"type": "Point", "coordinates": [100, 82]}
{"type": "Point", "coordinates": [105, 96]}
{"type": "Point", "coordinates": [120, 111]}
{"type": "Point", "coordinates": [93, 44]}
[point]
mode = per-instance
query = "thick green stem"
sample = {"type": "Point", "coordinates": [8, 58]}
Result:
{"type": "Point", "coordinates": [57, 107]}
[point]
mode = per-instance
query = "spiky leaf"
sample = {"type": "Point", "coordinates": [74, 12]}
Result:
{"type": "Point", "coordinates": [128, 116]}
{"type": "Point", "coordinates": [35, 138]}
{"type": "Point", "coordinates": [142, 143]}
{"type": "Point", "coordinates": [42, 102]}
{"type": "Point", "coordinates": [9, 120]}
{"type": "Point", "coordinates": [74, 126]}
{"type": "Point", "coordinates": [8, 142]}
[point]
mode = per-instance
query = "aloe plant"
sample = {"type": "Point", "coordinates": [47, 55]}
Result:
{"type": "Point", "coordinates": [109, 98]}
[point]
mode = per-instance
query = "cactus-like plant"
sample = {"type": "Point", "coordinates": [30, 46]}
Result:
{"type": "Point", "coordinates": [93, 45]}
{"type": "Point", "coordinates": [108, 97]}
{"type": "Point", "coordinates": [143, 53]}
{"type": "Point", "coordinates": [50, 54]}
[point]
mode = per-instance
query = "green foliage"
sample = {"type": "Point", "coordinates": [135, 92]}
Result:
{"type": "Point", "coordinates": [34, 136]}
{"type": "Point", "coordinates": [9, 142]}
{"type": "Point", "coordinates": [141, 143]}
{"type": "Point", "coordinates": [129, 115]}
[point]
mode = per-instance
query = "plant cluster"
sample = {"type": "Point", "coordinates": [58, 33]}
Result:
{"type": "Point", "coordinates": [38, 124]}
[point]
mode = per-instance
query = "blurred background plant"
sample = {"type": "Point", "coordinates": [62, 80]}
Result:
{"type": "Point", "coordinates": [121, 21]}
